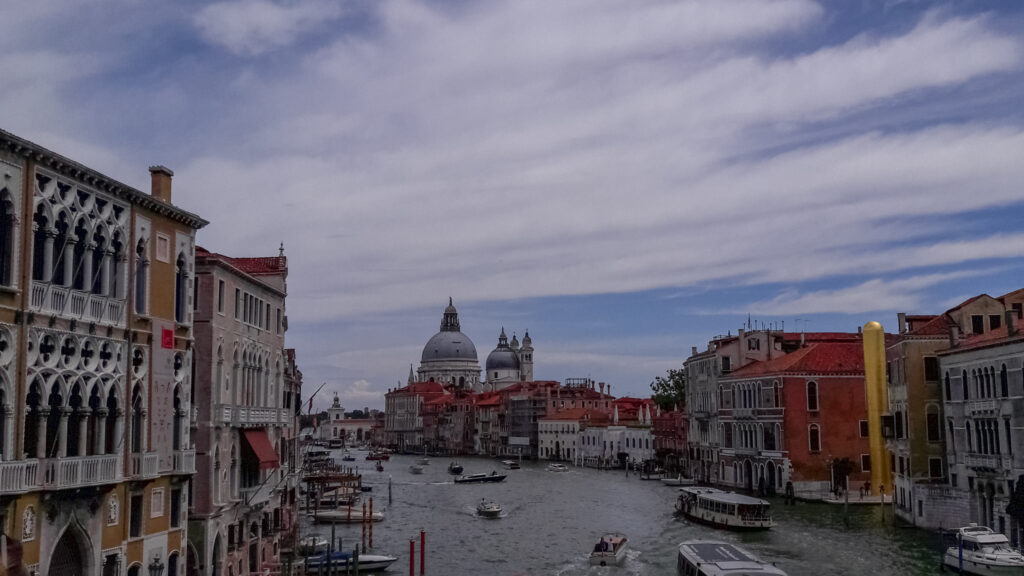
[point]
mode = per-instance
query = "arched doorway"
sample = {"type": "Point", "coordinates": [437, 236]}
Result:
{"type": "Point", "coordinates": [192, 561]}
{"type": "Point", "coordinates": [748, 475]}
{"type": "Point", "coordinates": [771, 477]}
{"type": "Point", "coordinates": [70, 556]}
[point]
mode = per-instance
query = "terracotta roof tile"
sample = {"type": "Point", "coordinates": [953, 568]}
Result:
{"type": "Point", "coordinates": [815, 358]}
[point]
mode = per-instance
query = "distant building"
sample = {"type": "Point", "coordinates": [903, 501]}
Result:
{"type": "Point", "coordinates": [670, 429]}
{"type": "Point", "coordinates": [449, 357]}
{"type": "Point", "coordinates": [341, 431]}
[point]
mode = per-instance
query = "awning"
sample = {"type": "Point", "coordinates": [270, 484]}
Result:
{"type": "Point", "coordinates": [260, 444]}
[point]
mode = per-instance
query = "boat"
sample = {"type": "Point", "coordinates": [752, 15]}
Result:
{"type": "Point", "coordinates": [480, 477]}
{"type": "Point", "coordinates": [344, 517]}
{"type": "Point", "coordinates": [985, 551]}
{"type": "Point", "coordinates": [720, 509]}
{"type": "Point", "coordinates": [341, 560]}
{"type": "Point", "coordinates": [610, 550]}
{"type": "Point", "coordinates": [313, 545]}
{"type": "Point", "coordinates": [455, 468]}
{"type": "Point", "coordinates": [378, 456]}
{"type": "Point", "coordinates": [488, 509]}
{"type": "Point", "coordinates": [715, 558]}
{"type": "Point", "coordinates": [556, 467]}
{"type": "Point", "coordinates": [510, 464]}
{"type": "Point", "coordinates": [379, 466]}
{"type": "Point", "coordinates": [348, 457]}
{"type": "Point", "coordinates": [423, 461]}
{"type": "Point", "coordinates": [416, 469]}
{"type": "Point", "coordinates": [678, 481]}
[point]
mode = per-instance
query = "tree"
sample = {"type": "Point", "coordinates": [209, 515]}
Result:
{"type": "Point", "coordinates": [355, 414]}
{"type": "Point", "coordinates": [670, 390]}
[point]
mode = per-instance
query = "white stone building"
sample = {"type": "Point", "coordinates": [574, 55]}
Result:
{"type": "Point", "coordinates": [449, 357]}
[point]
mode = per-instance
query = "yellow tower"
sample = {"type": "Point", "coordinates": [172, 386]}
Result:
{"type": "Point", "coordinates": [878, 404]}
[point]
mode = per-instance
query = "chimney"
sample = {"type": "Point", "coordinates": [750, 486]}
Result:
{"type": "Point", "coordinates": [693, 351]}
{"type": "Point", "coordinates": [902, 319]}
{"type": "Point", "coordinates": [802, 343]}
{"type": "Point", "coordinates": [954, 336]}
{"type": "Point", "coordinates": [601, 386]}
{"type": "Point", "coordinates": [1011, 328]}
{"type": "Point", "coordinates": [161, 177]}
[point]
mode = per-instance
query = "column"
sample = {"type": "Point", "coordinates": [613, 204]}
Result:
{"type": "Point", "coordinates": [48, 257]}
{"type": "Point", "coordinates": [69, 262]}
{"type": "Point", "coordinates": [44, 415]}
{"type": "Point", "coordinates": [105, 272]}
{"type": "Point", "coordinates": [87, 267]}
{"type": "Point", "coordinates": [83, 432]}
{"type": "Point", "coordinates": [101, 431]}
{"type": "Point", "coordinates": [145, 428]}
{"type": "Point", "coordinates": [62, 431]}
{"type": "Point", "coordinates": [9, 432]}
{"type": "Point", "coordinates": [118, 428]}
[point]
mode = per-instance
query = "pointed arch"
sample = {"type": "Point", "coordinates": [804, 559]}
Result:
{"type": "Point", "coordinates": [71, 554]}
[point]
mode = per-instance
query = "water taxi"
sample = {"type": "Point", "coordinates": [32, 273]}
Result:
{"type": "Point", "coordinates": [378, 456]}
{"type": "Point", "coordinates": [416, 469]}
{"type": "Point", "coordinates": [423, 461]}
{"type": "Point", "coordinates": [984, 552]}
{"type": "Point", "coordinates": [488, 509]}
{"type": "Point", "coordinates": [345, 517]}
{"type": "Point", "coordinates": [340, 561]}
{"type": "Point", "coordinates": [727, 510]}
{"type": "Point", "coordinates": [610, 550]}
{"type": "Point", "coordinates": [455, 468]}
{"type": "Point", "coordinates": [714, 558]}
{"type": "Point", "coordinates": [510, 464]}
{"type": "Point", "coordinates": [480, 477]}
{"type": "Point", "coordinates": [555, 467]}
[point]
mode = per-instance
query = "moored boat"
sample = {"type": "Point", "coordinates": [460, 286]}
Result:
{"type": "Point", "coordinates": [715, 558]}
{"type": "Point", "coordinates": [610, 550]}
{"type": "Point", "coordinates": [984, 552]}
{"type": "Point", "coordinates": [344, 517]}
{"type": "Point", "coordinates": [488, 509]}
{"type": "Point", "coordinates": [727, 510]}
{"type": "Point", "coordinates": [341, 560]}
{"type": "Point", "coordinates": [455, 468]}
{"type": "Point", "coordinates": [556, 467]}
{"type": "Point", "coordinates": [678, 481]}
{"type": "Point", "coordinates": [480, 477]}
{"type": "Point", "coordinates": [312, 545]}
{"type": "Point", "coordinates": [378, 456]}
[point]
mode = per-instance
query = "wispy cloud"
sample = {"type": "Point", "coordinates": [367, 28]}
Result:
{"type": "Point", "coordinates": [252, 27]}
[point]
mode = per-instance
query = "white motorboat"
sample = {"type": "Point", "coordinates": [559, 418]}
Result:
{"type": "Point", "coordinates": [488, 509]}
{"type": "Point", "coordinates": [340, 562]}
{"type": "Point", "coordinates": [416, 469]}
{"type": "Point", "coordinates": [715, 558]}
{"type": "Point", "coordinates": [510, 464]}
{"type": "Point", "coordinates": [423, 461]}
{"type": "Point", "coordinates": [344, 517]}
{"type": "Point", "coordinates": [678, 481]}
{"type": "Point", "coordinates": [727, 510]}
{"type": "Point", "coordinates": [556, 467]}
{"type": "Point", "coordinates": [313, 545]}
{"type": "Point", "coordinates": [984, 552]}
{"type": "Point", "coordinates": [610, 550]}
{"type": "Point", "coordinates": [480, 477]}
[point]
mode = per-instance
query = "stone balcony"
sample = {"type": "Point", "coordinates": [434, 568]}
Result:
{"type": "Point", "coordinates": [989, 406]}
{"type": "Point", "coordinates": [143, 465]}
{"type": "Point", "coordinates": [83, 306]}
{"type": "Point", "coordinates": [227, 414]}
{"type": "Point", "coordinates": [987, 461]}
{"type": "Point", "coordinates": [20, 476]}
{"type": "Point", "coordinates": [184, 462]}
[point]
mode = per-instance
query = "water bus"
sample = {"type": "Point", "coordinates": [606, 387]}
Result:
{"type": "Point", "coordinates": [715, 558]}
{"type": "Point", "coordinates": [727, 510]}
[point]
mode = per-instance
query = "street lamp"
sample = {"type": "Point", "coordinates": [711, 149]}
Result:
{"type": "Point", "coordinates": [156, 567]}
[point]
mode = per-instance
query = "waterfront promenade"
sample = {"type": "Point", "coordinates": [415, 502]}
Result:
{"type": "Point", "coordinates": [552, 520]}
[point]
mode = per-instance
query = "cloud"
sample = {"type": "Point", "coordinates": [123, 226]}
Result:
{"type": "Point", "coordinates": [253, 27]}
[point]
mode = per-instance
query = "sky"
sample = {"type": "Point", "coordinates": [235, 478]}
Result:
{"type": "Point", "coordinates": [623, 178]}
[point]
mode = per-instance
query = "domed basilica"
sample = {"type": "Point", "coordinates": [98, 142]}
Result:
{"type": "Point", "coordinates": [450, 357]}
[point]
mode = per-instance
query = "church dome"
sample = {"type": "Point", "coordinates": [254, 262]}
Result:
{"type": "Point", "coordinates": [502, 357]}
{"type": "Point", "coordinates": [449, 345]}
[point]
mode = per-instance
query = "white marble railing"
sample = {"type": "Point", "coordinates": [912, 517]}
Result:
{"type": "Point", "coordinates": [243, 415]}
{"type": "Point", "coordinates": [143, 465]}
{"type": "Point", "coordinates": [77, 304]}
{"type": "Point", "coordinates": [185, 462]}
{"type": "Point", "coordinates": [18, 476]}
{"type": "Point", "coordinates": [976, 406]}
{"type": "Point", "coordinates": [983, 461]}
{"type": "Point", "coordinates": [80, 471]}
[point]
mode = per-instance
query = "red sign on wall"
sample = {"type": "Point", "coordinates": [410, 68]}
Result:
{"type": "Point", "coordinates": [167, 338]}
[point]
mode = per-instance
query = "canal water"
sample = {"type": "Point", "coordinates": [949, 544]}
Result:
{"type": "Point", "coordinates": [552, 520]}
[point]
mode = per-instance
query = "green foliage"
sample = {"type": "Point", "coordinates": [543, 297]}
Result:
{"type": "Point", "coordinates": [670, 390]}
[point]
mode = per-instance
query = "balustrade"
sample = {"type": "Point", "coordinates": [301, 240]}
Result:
{"type": "Point", "coordinates": [85, 306]}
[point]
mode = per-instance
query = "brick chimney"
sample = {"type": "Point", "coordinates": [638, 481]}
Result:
{"type": "Point", "coordinates": [954, 336]}
{"type": "Point", "coordinates": [901, 317]}
{"type": "Point", "coordinates": [161, 178]}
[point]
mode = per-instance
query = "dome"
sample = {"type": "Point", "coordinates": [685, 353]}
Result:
{"type": "Point", "coordinates": [449, 345]}
{"type": "Point", "coordinates": [502, 359]}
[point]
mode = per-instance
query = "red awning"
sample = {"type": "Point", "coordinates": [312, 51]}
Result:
{"type": "Point", "coordinates": [260, 444]}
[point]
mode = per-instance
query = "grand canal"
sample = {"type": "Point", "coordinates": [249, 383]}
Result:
{"type": "Point", "coordinates": [552, 519]}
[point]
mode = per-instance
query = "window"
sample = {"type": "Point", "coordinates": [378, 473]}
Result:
{"type": "Point", "coordinates": [267, 318]}
{"type": "Point", "coordinates": [726, 364]}
{"type": "Point", "coordinates": [1009, 437]}
{"type": "Point", "coordinates": [863, 428]}
{"type": "Point", "coordinates": [135, 518]}
{"type": "Point", "coordinates": [175, 507]}
{"type": "Point", "coordinates": [963, 381]}
{"type": "Point", "coordinates": [935, 467]}
{"type": "Point", "coordinates": [949, 391]}
{"type": "Point", "coordinates": [932, 423]}
{"type": "Point", "coordinates": [163, 248]}
{"type": "Point", "coordinates": [977, 324]}
{"type": "Point", "coordinates": [1018, 307]}
{"type": "Point", "coordinates": [995, 321]}
{"type": "Point", "coordinates": [865, 462]}
{"type": "Point", "coordinates": [278, 320]}
{"type": "Point", "coordinates": [814, 438]}
{"type": "Point", "coordinates": [1004, 384]}
{"type": "Point", "coordinates": [141, 266]}
{"type": "Point", "coordinates": [898, 422]}
{"type": "Point", "coordinates": [156, 503]}
{"type": "Point", "coordinates": [812, 396]}
{"type": "Point", "coordinates": [180, 288]}
{"type": "Point", "coordinates": [6, 239]}
{"type": "Point", "coordinates": [238, 302]}
{"type": "Point", "coordinates": [220, 296]}
{"type": "Point", "coordinates": [931, 368]}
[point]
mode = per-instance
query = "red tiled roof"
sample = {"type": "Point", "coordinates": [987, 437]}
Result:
{"type": "Point", "coordinates": [262, 266]}
{"type": "Point", "coordinates": [966, 302]}
{"type": "Point", "coordinates": [576, 414]}
{"type": "Point", "coordinates": [489, 399]}
{"type": "Point", "coordinates": [990, 338]}
{"type": "Point", "coordinates": [815, 358]}
{"type": "Point", "coordinates": [937, 326]}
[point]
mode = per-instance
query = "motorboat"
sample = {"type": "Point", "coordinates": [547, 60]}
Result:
{"type": "Point", "coordinates": [510, 464]}
{"type": "Point", "coordinates": [556, 467]}
{"type": "Point", "coordinates": [348, 457]}
{"type": "Point", "coordinates": [345, 517]}
{"type": "Point", "coordinates": [340, 561]}
{"type": "Point", "coordinates": [378, 456]}
{"type": "Point", "coordinates": [720, 509]}
{"type": "Point", "coordinates": [715, 558]}
{"type": "Point", "coordinates": [423, 461]}
{"type": "Point", "coordinates": [480, 477]}
{"type": "Point", "coordinates": [416, 469]}
{"type": "Point", "coordinates": [985, 551]}
{"type": "Point", "coordinates": [379, 466]}
{"type": "Point", "coordinates": [488, 509]}
{"type": "Point", "coordinates": [610, 550]}
{"type": "Point", "coordinates": [313, 545]}
{"type": "Point", "coordinates": [678, 481]}
{"type": "Point", "coordinates": [455, 468]}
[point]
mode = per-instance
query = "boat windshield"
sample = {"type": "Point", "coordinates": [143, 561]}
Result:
{"type": "Point", "coordinates": [995, 549]}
